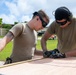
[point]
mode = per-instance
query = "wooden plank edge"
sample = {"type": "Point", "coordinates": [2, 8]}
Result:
{"type": "Point", "coordinates": [12, 64]}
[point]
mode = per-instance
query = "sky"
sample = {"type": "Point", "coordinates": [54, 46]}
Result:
{"type": "Point", "coordinates": [21, 10]}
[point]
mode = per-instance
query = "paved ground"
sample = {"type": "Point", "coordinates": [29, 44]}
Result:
{"type": "Point", "coordinates": [1, 63]}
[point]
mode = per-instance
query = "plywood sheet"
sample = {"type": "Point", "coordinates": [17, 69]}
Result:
{"type": "Point", "coordinates": [40, 66]}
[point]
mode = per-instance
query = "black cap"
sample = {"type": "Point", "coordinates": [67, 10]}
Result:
{"type": "Point", "coordinates": [62, 13]}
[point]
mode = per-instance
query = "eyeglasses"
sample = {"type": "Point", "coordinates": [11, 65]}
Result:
{"type": "Point", "coordinates": [62, 23]}
{"type": "Point", "coordinates": [43, 22]}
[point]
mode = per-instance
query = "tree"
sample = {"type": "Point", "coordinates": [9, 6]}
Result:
{"type": "Point", "coordinates": [0, 22]}
{"type": "Point", "coordinates": [15, 23]}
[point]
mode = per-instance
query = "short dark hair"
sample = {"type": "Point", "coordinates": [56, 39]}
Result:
{"type": "Point", "coordinates": [63, 13]}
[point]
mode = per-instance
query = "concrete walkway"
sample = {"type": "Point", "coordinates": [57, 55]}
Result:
{"type": "Point", "coordinates": [1, 63]}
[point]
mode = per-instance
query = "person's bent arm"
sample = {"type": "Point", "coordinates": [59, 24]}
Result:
{"type": "Point", "coordinates": [6, 39]}
{"type": "Point", "coordinates": [44, 39]}
{"type": "Point", "coordinates": [71, 53]}
{"type": "Point", "coordinates": [38, 52]}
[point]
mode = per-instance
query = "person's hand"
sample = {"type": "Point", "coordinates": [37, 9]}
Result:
{"type": "Point", "coordinates": [46, 54]}
{"type": "Point", "coordinates": [56, 54]}
{"type": "Point", "coordinates": [53, 54]}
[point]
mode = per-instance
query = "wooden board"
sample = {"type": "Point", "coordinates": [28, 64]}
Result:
{"type": "Point", "coordinates": [40, 66]}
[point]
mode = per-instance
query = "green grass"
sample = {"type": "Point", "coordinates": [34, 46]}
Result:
{"type": "Point", "coordinates": [6, 51]}
{"type": "Point", "coordinates": [51, 44]}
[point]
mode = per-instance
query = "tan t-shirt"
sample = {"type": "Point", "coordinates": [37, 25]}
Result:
{"type": "Point", "coordinates": [24, 42]}
{"type": "Point", "coordinates": [66, 36]}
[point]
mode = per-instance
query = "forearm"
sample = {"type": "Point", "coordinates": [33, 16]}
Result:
{"type": "Point", "coordinates": [44, 39]}
{"type": "Point", "coordinates": [2, 45]}
{"type": "Point", "coordinates": [38, 52]}
{"type": "Point", "coordinates": [71, 53]}
{"type": "Point", "coordinates": [6, 40]}
{"type": "Point", "coordinates": [43, 45]}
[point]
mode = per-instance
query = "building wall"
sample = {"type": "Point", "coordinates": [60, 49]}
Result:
{"type": "Point", "coordinates": [3, 31]}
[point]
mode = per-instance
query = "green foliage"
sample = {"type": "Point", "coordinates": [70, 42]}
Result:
{"type": "Point", "coordinates": [7, 26]}
{"type": "Point", "coordinates": [0, 22]}
{"type": "Point", "coordinates": [15, 23]}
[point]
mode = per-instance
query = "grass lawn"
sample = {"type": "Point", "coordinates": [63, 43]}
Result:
{"type": "Point", "coordinates": [6, 51]}
{"type": "Point", "coordinates": [51, 44]}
